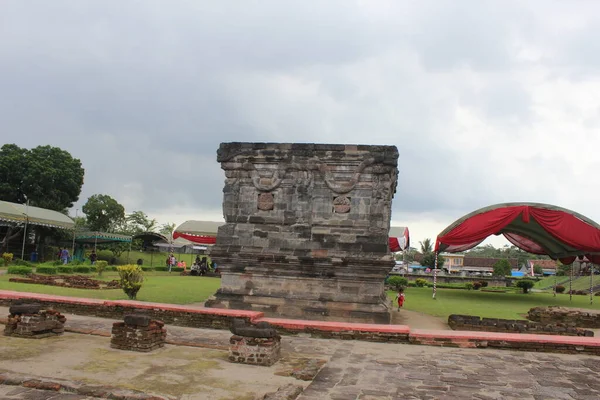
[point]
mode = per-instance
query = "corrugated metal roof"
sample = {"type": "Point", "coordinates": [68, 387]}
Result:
{"type": "Point", "coordinates": [19, 213]}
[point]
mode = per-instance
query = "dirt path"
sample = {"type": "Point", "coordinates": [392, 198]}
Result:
{"type": "Point", "coordinates": [417, 320]}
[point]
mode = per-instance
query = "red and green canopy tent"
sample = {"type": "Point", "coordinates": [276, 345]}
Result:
{"type": "Point", "coordinates": [205, 232]}
{"type": "Point", "coordinates": [535, 228]}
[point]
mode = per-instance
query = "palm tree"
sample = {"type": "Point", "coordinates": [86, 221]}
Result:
{"type": "Point", "coordinates": [426, 246]}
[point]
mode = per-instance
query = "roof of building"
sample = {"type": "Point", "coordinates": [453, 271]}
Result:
{"type": "Point", "coordinates": [548, 264]}
{"type": "Point", "coordinates": [19, 213]}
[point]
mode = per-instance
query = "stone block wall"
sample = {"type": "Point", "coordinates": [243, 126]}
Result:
{"type": "Point", "coordinates": [306, 230]}
{"type": "Point", "coordinates": [579, 317]}
{"type": "Point", "coordinates": [254, 351]}
{"type": "Point", "coordinates": [474, 323]}
{"type": "Point", "coordinates": [39, 325]}
{"type": "Point", "coordinates": [142, 338]}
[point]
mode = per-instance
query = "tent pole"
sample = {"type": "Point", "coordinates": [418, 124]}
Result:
{"type": "Point", "coordinates": [435, 265]}
{"type": "Point", "coordinates": [591, 282]}
{"type": "Point", "coordinates": [571, 284]}
{"type": "Point", "coordinates": [555, 278]}
{"type": "Point", "coordinates": [25, 230]}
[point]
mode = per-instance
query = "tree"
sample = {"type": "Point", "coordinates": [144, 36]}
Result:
{"type": "Point", "coordinates": [47, 176]}
{"type": "Point", "coordinates": [563, 270]}
{"type": "Point", "coordinates": [167, 229]}
{"type": "Point", "coordinates": [139, 221]}
{"type": "Point", "coordinates": [103, 213]}
{"type": "Point", "coordinates": [429, 260]}
{"type": "Point", "coordinates": [537, 269]}
{"type": "Point", "coordinates": [397, 282]}
{"type": "Point", "coordinates": [502, 268]}
{"type": "Point", "coordinates": [525, 284]}
{"type": "Point", "coordinates": [426, 246]}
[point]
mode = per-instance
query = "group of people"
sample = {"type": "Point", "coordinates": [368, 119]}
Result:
{"type": "Point", "coordinates": [172, 263]}
{"type": "Point", "coordinates": [202, 266]}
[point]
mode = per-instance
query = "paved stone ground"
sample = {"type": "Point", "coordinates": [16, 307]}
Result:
{"type": "Point", "coordinates": [369, 371]}
{"type": "Point", "coordinates": [21, 393]}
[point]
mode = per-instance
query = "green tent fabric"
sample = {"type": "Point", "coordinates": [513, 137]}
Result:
{"type": "Point", "coordinates": [20, 213]}
{"type": "Point", "coordinates": [100, 237]}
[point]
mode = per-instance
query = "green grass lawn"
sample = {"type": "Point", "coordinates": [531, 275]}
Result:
{"type": "Point", "coordinates": [490, 305]}
{"type": "Point", "coordinates": [160, 287]}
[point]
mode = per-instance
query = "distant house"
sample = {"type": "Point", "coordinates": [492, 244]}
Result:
{"type": "Point", "coordinates": [457, 263]}
{"type": "Point", "coordinates": [548, 266]}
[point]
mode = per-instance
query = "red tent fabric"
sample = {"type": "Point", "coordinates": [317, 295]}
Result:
{"type": "Point", "coordinates": [535, 228]}
{"type": "Point", "coordinates": [195, 238]}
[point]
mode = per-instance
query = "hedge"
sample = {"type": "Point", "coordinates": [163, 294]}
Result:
{"type": "Point", "coordinates": [19, 270]}
{"type": "Point", "coordinates": [166, 269]}
{"type": "Point", "coordinates": [82, 269]}
{"type": "Point", "coordinates": [147, 269]}
{"type": "Point", "coordinates": [46, 269]}
{"type": "Point", "coordinates": [65, 269]}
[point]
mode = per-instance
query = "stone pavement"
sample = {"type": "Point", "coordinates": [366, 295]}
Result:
{"type": "Point", "coordinates": [21, 393]}
{"type": "Point", "coordinates": [369, 371]}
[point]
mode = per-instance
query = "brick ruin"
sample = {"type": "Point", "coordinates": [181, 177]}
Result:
{"type": "Point", "coordinates": [138, 333]}
{"type": "Point", "coordinates": [475, 323]}
{"type": "Point", "coordinates": [254, 344]}
{"type": "Point", "coordinates": [579, 317]}
{"type": "Point", "coordinates": [306, 230]}
{"type": "Point", "coordinates": [30, 321]}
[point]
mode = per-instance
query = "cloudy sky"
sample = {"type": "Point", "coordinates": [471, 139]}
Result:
{"type": "Point", "coordinates": [487, 101]}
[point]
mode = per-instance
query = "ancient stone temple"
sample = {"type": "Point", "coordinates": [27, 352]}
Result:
{"type": "Point", "coordinates": [306, 232]}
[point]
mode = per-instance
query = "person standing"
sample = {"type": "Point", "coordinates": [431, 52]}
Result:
{"type": "Point", "coordinates": [64, 256]}
{"type": "Point", "coordinates": [93, 257]}
{"type": "Point", "coordinates": [400, 298]}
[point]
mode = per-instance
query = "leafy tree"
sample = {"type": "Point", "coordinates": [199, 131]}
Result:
{"type": "Point", "coordinates": [167, 229]}
{"type": "Point", "coordinates": [563, 270]}
{"type": "Point", "coordinates": [426, 246]}
{"type": "Point", "coordinates": [397, 282]}
{"type": "Point", "coordinates": [537, 269]}
{"type": "Point", "coordinates": [47, 176]}
{"type": "Point", "coordinates": [140, 222]}
{"type": "Point", "coordinates": [525, 284]}
{"type": "Point", "coordinates": [502, 268]}
{"type": "Point", "coordinates": [103, 213]}
{"type": "Point", "coordinates": [429, 260]}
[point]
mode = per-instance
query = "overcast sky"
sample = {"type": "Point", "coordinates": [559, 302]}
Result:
{"type": "Point", "coordinates": [487, 101]}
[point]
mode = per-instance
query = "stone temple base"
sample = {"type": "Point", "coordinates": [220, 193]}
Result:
{"type": "Point", "coordinates": [28, 321]}
{"type": "Point", "coordinates": [138, 333]}
{"type": "Point", "coordinates": [254, 351]}
{"type": "Point", "coordinates": [295, 297]}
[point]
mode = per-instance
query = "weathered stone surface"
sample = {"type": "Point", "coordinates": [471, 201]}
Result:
{"type": "Point", "coordinates": [254, 350]}
{"type": "Point", "coordinates": [474, 323]}
{"type": "Point", "coordinates": [137, 319]}
{"type": "Point", "coordinates": [34, 325]}
{"type": "Point", "coordinates": [20, 309]}
{"type": "Point", "coordinates": [287, 392]}
{"type": "Point", "coordinates": [261, 330]}
{"type": "Point", "coordinates": [130, 335]}
{"type": "Point", "coordinates": [306, 233]}
{"type": "Point", "coordinates": [579, 317]}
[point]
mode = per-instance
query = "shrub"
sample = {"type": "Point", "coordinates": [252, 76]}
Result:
{"type": "Point", "coordinates": [396, 282]}
{"type": "Point", "coordinates": [469, 285]}
{"type": "Point", "coordinates": [46, 269]}
{"type": "Point", "coordinates": [525, 284]}
{"type": "Point", "coordinates": [560, 289]}
{"type": "Point", "coordinates": [161, 268]}
{"type": "Point", "coordinates": [65, 269]}
{"type": "Point", "coordinates": [420, 282]}
{"type": "Point", "coordinates": [147, 269]}
{"type": "Point", "coordinates": [19, 270]}
{"type": "Point", "coordinates": [131, 280]}
{"type": "Point", "coordinates": [476, 285]}
{"type": "Point", "coordinates": [7, 257]}
{"type": "Point", "coordinates": [484, 283]}
{"type": "Point", "coordinates": [18, 261]}
{"type": "Point", "coordinates": [597, 294]}
{"type": "Point", "coordinates": [57, 263]}
{"type": "Point", "coordinates": [101, 266]}
{"type": "Point", "coordinates": [76, 262]}
{"type": "Point", "coordinates": [82, 269]}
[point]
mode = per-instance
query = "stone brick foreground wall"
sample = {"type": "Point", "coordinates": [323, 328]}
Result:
{"type": "Point", "coordinates": [254, 351]}
{"type": "Point", "coordinates": [579, 317]}
{"type": "Point", "coordinates": [475, 323]}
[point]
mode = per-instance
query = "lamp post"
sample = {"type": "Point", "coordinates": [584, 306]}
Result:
{"type": "Point", "coordinates": [25, 230]}
{"type": "Point", "coordinates": [74, 229]}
